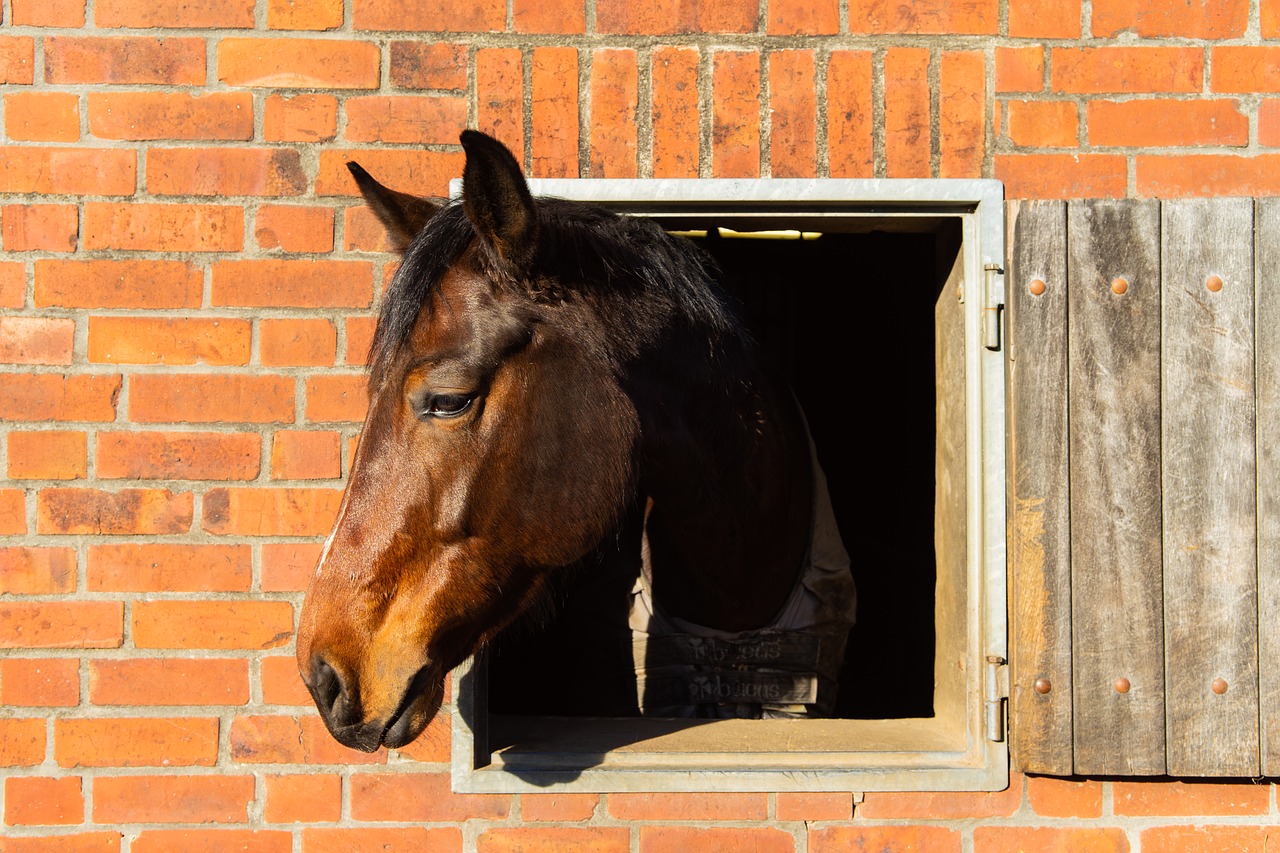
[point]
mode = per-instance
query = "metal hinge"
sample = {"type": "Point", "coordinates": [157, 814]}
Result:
{"type": "Point", "coordinates": [997, 696]}
{"type": "Point", "coordinates": [992, 302]}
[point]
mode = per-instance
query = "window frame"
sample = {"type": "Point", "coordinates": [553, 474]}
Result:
{"type": "Point", "coordinates": [965, 750]}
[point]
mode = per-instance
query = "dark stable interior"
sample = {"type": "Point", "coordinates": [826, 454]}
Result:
{"type": "Point", "coordinates": [850, 316]}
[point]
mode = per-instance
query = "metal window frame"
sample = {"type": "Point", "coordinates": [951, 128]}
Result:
{"type": "Point", "coordinates": [969, 754]}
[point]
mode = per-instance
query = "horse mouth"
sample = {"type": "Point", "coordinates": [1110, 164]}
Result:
{"type": "Point", "coordinates": [419, 706]}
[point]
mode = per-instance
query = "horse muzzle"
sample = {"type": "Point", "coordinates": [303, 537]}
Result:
{"type": "Point", "coordinates": [338, 699]}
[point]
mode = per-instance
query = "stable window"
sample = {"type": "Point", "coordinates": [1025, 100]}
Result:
{"type": "Point", "coordinates": [882, 300]}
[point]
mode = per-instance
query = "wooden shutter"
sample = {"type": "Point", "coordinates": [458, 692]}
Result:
{"type": "Point", "coordinates": [1144, 487]}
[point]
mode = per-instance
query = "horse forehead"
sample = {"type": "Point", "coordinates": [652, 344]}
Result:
{"type": "Point", "coordinates": [467, 314]}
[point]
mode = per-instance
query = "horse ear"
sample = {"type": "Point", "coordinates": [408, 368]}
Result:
{"type": "Point", "coordinates": [403, 215]}
{"type": "Point", "coordinates": [497, 200]}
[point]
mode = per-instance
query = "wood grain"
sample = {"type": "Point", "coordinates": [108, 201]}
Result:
{"type": "Point", "coordinates": [1267, 330]}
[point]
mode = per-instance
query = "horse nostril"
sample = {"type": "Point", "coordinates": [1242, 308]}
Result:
{"type": "Point", "coordinates": [331, 693]}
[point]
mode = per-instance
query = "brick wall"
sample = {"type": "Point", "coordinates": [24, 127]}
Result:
{"type": "Point", "coordinates": [188, 285]}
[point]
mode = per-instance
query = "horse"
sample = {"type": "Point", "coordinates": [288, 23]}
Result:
{"type": "Point", "coordinates": [551, 382]}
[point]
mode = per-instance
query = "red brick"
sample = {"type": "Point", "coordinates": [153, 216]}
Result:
{"type": "Point", "coordinates": [549, 16]}
{"type": "Point", "coordinates": [676, 133]}
{"type": "Point", "coordinates": [1062, 175]}
{"type": "Point", "coordinates": [370, 840]}
{"type": "Point", "coordinates": [1210, 19]}
{"type": "Point", "coordinates": [962, 116]}
{"type": "Point", "coordinates": [1206, 839]}
{"type": "Point", "coordinates": [54, 397]}
{"type": "Point", "coordinates": [170, 115]}
{"type": "Point", "coordinates": [169, 681]}
{"type": "Point", "coordinates": [671, 17]}
{"type": "Point", "coordinates": [424, 173]}
{"type": "Point", "coordinates": [134, 742]}
{"type": "Point", "coordinates": [212, 841]}
{"type": "Point", "coordinates": [287, 567]}
{"type": "Point", "coordinates": [555, 112]}
{"type": "Point", "coordinates": [293, 284]}
{"type": "Point", "coordinates": [305, 455]}
{"type": "Point", "coordinates": [62, 625]}
{"type": "Point", "coordinates": [133, 60]}
{"type": "Point", "coordinates": [944, 806]}
{"type": "Point", "coordinates": [359, 339]}
{"type": "Point", "coordinates": [293, 228]}
{"type": "Point", "coordinates": [17, 59]}
{"type": "Point", "coordinates": [997, 839]}
{"type": "Point", "coordinates": [546, 839]}
{"type": "Point", "coordinates": [677, 839]}
{"type": "Point", "coordinates": [615, 81]}
{"type": "Point", "coordinates": [271, 512]}
{"type": "Point", "coordinates": [944, 17]}
{"type": "Point", "coordinates": [688, 807]}
{"type": "Point", "coordinates": [203, 14]}
{"type": "Point", "coordinates": [849, 114]}
{"type": "Point", "coordinates": [1096, 70]}
{"type": "Point", "coordinates": [186, 397]}
{"type": "Point", "coordinates": [40, 227]}
{"type": "Point", "coordinates": [874, 839]}
{"type": "Point", "coordinates": [36, 340]}
{"type": "Point", "coordinates": [169, 340]}
{"type": "Point", "coordinates": [162, 227]}
{"type": "Point", "coordinates": [1245, 69]}
{"type": "Point", "coordinates": [419, 798]}
{"type": "Point", "coordinates": [22, 742]}
{"type": "Point", "coordinates": [297, 798]}
{"type": "Point", "coordinates": [13, 284]}
{"type": "Point", "coordinates": [1269, 123]}
{"type": "Point", "coordinates": [300, 118]}
{"type": "Point", "coordinates": [1160, 123]}
{"type": "Point", "coordinates": [428, 65]}
{"type": "Point", "coordinates": [735, 119]}
{"type": "Point", "coordinates": [1190, 799]}
{"type": "Point", "coordinates": [337, 399]}
{"type": "Point", "coordinates": [432, 120]}
{"type": "Point", "coordinates": [793, 111]}
{"type": "Point", "coordinates": [42, 116]}
{"type": "Point", "coordinates": [226, 172]}
{"type": "Point", "coordinates": [1052, 797]}
{"type": "Point", "coordinates": [222, 624]}
{"type": "Point", "coordinates": [803, 17]}
{"type": "Point", "coordinates": [68, 171]}
{"type": "Point", "coordinates": [297, 63]}
{"type": "Point", "coordinates": [558, 807]}
{"type": "Point", "coordinates": [48, 13]}
{"type": "Point", "coordinates": [118, 284]}
{"type": "Point", "coordinates": [172, 799]}
{"type": "Point", "coordinates": [86, 842]}
{"type": "Point", "coordinates": [169, 568]}
{"type": "Point", "coordinates": [1269, 14]}
{"type": "Point", "coordinates": [292, 740]}
{"type": "Point", "coordinates": [37, 571]}
{"type": "Point", "coordinates": [1208, 175]}
{"type": "Point", "coordinates": [1043, 124]}
{"type": "Point", "coordinates": [812, 807]}
{"type": "Point", "coordinates": [281, 683]}
{"type": "Point", "coordinates": [42, 801]}
{"type": "Point", "coordinates": [40, 682]}
{"type": "Point", "coordinates": [907, 140]}
{"type": "Point", "coordinates": [461, 16]}
{"type": "Point", "coordinates": [297, 343]}
{"type": "Point", "coordinates": [13, 512]}
{"type": "Point", "coordinates": [500, 97]}
{"type": "Point", "coordinates": [304, 14]}
{"type": "Point", "coordinates": [1019, 69]}
{"type": "Point", "coordinates": [178, 456]}
{"type": "Point", "coordinates": [129, 511]}
{"type": "Point", "coordinates": [1046, 19]}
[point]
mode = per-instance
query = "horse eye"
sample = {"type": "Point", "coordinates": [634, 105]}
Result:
{"type": "Point", "coordinates": [446, 405]}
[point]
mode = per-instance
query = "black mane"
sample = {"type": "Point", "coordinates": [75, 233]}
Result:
{"type": "Point", "coordinates": [584, 251]}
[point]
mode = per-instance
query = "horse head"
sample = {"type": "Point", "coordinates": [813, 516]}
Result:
{"type": "Point", "coordinates": [498, 447]}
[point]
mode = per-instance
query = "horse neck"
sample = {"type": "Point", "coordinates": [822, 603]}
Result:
{"type": "Point", "coordinates": [730, 484]}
